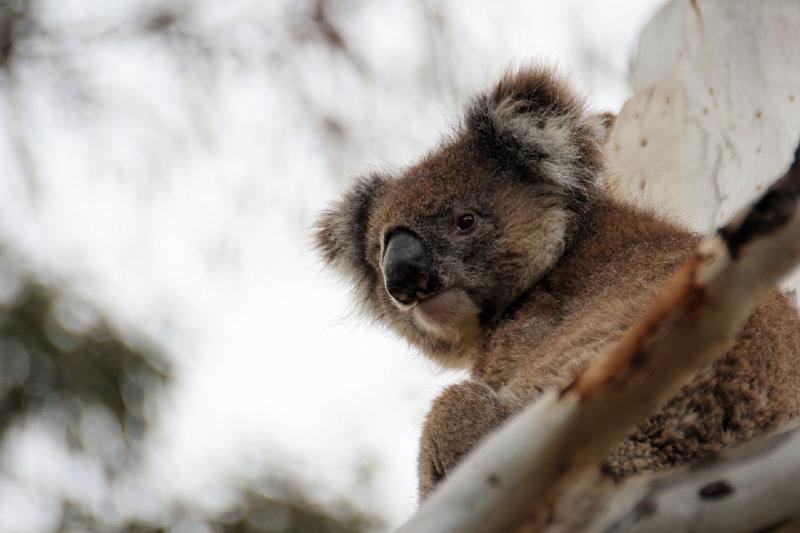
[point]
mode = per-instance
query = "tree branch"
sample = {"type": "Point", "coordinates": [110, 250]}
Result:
{"type": "Point", "coordinates": [750, 488]}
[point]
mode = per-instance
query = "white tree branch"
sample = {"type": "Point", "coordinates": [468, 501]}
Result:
{"type": "Point", "coordinates": [716, 108]}
{"type": "Point", "coordinates": [751, 488]}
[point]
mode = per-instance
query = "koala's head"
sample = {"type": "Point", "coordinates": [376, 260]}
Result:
{"type": "Point", "coordinates": [442, 250]}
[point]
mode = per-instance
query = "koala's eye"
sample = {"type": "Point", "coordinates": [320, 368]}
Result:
{"type": "Point", "coordinates": [465, 222]}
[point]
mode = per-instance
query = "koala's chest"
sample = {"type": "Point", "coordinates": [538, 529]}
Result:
{"type": "Point", "coordinates": [543, 347]}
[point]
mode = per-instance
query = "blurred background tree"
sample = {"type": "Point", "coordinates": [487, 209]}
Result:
{"type": "Point", "coordinates": [171, 357]}
{"type": "Point", "coordinates": [80, 388]}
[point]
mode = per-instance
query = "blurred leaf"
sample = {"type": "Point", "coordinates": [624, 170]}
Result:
{"type": "Point", "coordinates": [261, 513]}
{"type": "Point", "coordinates": [41, 357]}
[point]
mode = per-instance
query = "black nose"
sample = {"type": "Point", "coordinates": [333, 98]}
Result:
{"type": "Point", "coordinates": [408, 269]}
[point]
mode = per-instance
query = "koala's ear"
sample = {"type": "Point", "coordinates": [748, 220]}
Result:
{"type": "Point", "coordinates": [340, 231]}
{"type": "Point", "coordinates": [534, 124]}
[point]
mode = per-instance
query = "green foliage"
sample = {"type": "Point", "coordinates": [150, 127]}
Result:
{"type": "Point", "coordinates": [254, 513]}
{"type": "Point", "coordinates": [259, 512]}
{"type": "Point", "coordinates": [50, 354]}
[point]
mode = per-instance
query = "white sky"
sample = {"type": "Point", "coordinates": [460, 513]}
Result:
{"type": "Point", "coordinates": [180, 202]}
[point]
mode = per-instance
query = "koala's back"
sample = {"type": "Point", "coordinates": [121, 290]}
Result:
{"type": "Point", "coordinates": [753, 389]}
{"type": "Point", "coordinates": [598, 291]}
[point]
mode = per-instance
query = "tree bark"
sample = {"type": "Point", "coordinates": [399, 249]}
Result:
{"type": "Point", "coordinates": [750, 488]}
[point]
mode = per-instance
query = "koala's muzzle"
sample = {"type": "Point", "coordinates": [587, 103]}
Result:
{"type": "Point", "coordinates": [407, 268]}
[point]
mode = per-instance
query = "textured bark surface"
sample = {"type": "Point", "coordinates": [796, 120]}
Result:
{"type": "Point", "coordinates": [753, 488]}
{"type": "Point", "coordinates": [716, 114]}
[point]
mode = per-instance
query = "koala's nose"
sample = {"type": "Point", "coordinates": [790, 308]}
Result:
{"type": "Point", "coordinates": [407, 268]}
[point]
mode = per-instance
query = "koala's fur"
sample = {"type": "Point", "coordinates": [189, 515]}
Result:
{"type": "Point", "coordinates": [552, 273]}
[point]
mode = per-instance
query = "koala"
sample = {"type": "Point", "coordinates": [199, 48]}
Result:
{"type": "Point", "coordinates": [501, 252]}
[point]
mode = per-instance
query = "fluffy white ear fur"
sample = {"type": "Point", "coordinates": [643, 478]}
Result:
{"type": "Point", "coordinates": [533, 119]}
{"type": "Point", "coordinates": [549, 138]}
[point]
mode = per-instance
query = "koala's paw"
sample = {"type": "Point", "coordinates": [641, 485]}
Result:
{"type": "Point", "coordinates": [458, 419]}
